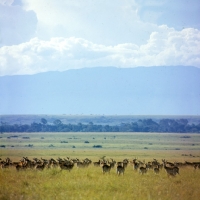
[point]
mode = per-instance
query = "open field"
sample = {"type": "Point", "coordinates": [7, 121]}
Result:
{"type": "Point", "coordinates": [90, 183]}
{"type": "Point", "coordinates": [16, 145]}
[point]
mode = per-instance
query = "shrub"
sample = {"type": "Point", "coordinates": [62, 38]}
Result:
{"type": "Point", "coordinates": [25, 137]}
{"type": "Point", "coordinates": [63, 141]}
{"type": "Point", "coordinates": [186, 136]}
{"type": "Point", "coordinates": [29, 145]}
{"type": "Point", "coordinates": [97, 146]}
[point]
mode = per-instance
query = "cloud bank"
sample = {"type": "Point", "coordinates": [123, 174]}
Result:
{"type": "Point", "coordinates": [166, 47]}
{"type": "Point", "coordinates": [39, 36]}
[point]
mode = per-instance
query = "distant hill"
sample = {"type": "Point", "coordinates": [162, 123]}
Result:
{"type": "Point", "coordinates": [108, 91]}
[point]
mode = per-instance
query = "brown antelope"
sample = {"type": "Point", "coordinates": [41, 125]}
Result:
{"type": "Point", "coordinates": [6, 164]}
{"type": "Point", "coordinates": [143, 170]}
{"type": "Point", "coordinates": [156, 169]}
{"type": "Point", "coordinates": [20, 165]}
{"type": "Point", "coordinates": [82, 164]}
{"type": "Point", "coordinates": [66, 166]}
{"type": "Point", "coordinates": [171, 171]}
{"type": "Point", "coordinates": [41, 166]}
{"type": "Point", "coordinates": [97, 164]}
{"type": "Point", "coordinates": [112, 163]}
{"type": "Point", "coordinates": [125, 162]}
{"type": "Point", "coordinates": [120, 169]}
{"type": "Point", "coordinates": [106, 168]}
{"type": "Point", "coordinates": [197, 166]}
{"type": "Point", "coordinates": [135, 164]}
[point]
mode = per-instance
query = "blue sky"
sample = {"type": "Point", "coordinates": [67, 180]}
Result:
{"type": "Point", "coordinates": [38, 36]}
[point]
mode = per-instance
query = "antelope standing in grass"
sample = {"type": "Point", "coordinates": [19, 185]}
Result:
{"type": "Point", "coordinates": [120, 169]}
{"type": "Point", "coordinates": [97, 164]}
{"type": "Point", "coordinates": [82, 164]}
{"type": "Point", "coordinates": [125, 162]}
{"type": "Point", "coordinates": [156, 169]}
{"type": "Point", "coordinates": [143, 170]}
{"type": "Point", "coordinates": [106, 168]}
{"type": "Point", "coordinates": [21, 165]}
{"type": "Point", "coordinates": [171, 171]}
{"type": "Point", "coordinates": [112, 163]}
{"type": "Point", "coordinates": [135, 164]}
{"type": "Point", "coordinates": [6, 164]}
{"type": "Point", "coordinates": [66, 166]}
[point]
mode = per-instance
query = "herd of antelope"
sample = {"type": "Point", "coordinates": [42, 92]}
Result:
{"type": "Point", "coordinates": [171, 168]}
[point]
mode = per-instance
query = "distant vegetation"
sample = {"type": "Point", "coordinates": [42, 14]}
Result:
{"type": "Point", "coordinates": [141, 125]}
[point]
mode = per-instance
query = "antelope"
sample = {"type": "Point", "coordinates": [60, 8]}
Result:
{"type": "Point", "coordinates": [143, 170]}
{"type": "Point", "coordinates": [106, 168]}
{"type": "Point", "coordinates": [21, 165]}
{"type": "Point", "coordinates": [97, 164]}
{"type": "Point", "coordinates": [135, 164]}
{"type": "Point", "coordinates": [41, 166]}
{"type": "Point", "coordinates": [66, 166]}
{"type": "Point", "coordinates": [120, 169]}
{"type": "Point", "coordinates": [53, 163]}
{"type": "Point", "coordinates": [171, 171]}
{"type": "Point", "coordinates": [82, 164]}
{"type": "Point", "coordinates": [6, 164]}
{"type": "Point", "coordinates": [125, 162]}
{"type": "Point", "coordinates": [112, 163]}
{"type": "Point", "coordinates": [156, 169]}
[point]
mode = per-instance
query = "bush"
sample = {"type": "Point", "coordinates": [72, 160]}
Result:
{"type": "Point", "coordinates": [63, 142]}
{"type": "Point", "coordinates": [186, 136]}
{"type": "Point", "coordinates": [25, 137]}
{"type": "Point", "coordinates": [97, 146]}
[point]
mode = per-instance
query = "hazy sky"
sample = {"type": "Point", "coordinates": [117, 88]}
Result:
{"type": "Point", "coordinates": [45, 35]}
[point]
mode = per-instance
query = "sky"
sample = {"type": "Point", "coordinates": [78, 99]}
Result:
{"type": "Point", "coordinates": [47, 35]}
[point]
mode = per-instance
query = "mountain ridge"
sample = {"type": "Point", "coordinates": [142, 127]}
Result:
{"type": "Point", "coordinates": [104, 90]}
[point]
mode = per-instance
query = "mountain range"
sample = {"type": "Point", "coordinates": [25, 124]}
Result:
{"type": "Point", "coordinates": [171, 90]}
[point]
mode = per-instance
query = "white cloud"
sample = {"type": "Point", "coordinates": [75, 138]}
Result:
{"type": "Point", "coordinates": [102, 22]}
{"type": "Point", "coordinates": [59, 35]}
{"type": "Point", "coordinates": [164, 47]}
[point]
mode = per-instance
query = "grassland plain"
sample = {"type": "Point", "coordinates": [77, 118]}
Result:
{"type": "Point", "coordinates": [90, 183]}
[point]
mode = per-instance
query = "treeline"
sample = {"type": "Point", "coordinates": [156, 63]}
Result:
{"type": "Point", "coordinates": [145, 125]}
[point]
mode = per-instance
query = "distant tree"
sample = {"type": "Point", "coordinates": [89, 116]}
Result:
{"type": "Point", "coordinates": [44, 121]}
{"type": "Point", "coordinates": [57, 122]}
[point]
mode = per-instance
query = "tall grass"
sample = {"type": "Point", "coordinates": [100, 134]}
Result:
{"type": "Point", "coordinates": [90, 183]}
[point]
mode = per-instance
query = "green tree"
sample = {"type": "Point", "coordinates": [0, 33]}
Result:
{"type": "Point", "coordinates": [44, 121]}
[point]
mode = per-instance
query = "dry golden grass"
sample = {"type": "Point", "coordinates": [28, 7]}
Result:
{"type": "Point", "coordinates": [90, 183]}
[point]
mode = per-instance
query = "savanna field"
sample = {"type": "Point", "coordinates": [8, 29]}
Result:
{"type": "Point", "coordinates": [89, 182]}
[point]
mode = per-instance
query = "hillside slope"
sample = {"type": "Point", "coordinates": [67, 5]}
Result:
{"type": "Point", "coordinates": [135, 91]}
